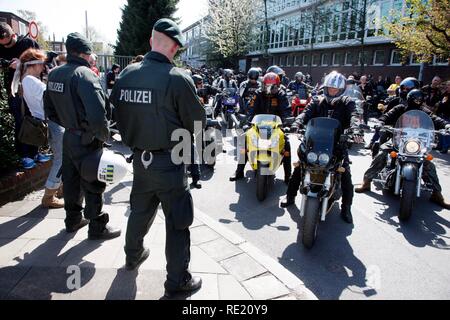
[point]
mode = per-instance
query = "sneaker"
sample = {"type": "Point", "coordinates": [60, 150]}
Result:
{"type": "Point", "coordinates": [28, 163]}
{"type": "Point", "coordinates": [43, 157]}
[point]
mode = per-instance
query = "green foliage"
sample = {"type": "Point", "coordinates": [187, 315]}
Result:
{"type": "Point", "coordinates": [138, 19]}
{"type": "Point", "coordinates": [8, 156]}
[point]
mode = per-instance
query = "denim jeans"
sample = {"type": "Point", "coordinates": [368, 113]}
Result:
{"type": "Point", "coordinates": [56, 134]}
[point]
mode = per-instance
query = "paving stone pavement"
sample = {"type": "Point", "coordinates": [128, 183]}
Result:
{"type": "Point", "coordinates": [39, 260]}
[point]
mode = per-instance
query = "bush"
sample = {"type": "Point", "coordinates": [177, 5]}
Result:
{"type": "Point", "coordinates": [8, 156]}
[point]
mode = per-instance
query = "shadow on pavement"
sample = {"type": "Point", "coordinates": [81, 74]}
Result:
{"type": "Point", "coordinates": [331, 266]}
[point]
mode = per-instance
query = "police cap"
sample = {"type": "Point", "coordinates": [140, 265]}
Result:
{"type": "Point", "coordinates": [170, 29]}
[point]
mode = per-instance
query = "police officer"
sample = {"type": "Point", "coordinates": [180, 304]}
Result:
{"type": "Point", "coordinates": [75, 100]}
{"type": "Point", "coordinates": [333, 103]}
{"type": "Point", "coordinates": [415, 101]}
{"type": "Point", "coordinates": [153, 99]}
{"type": "Point", "coordinates": [248, 89]}
{"type": "Point", "coordinates": [269, 100]}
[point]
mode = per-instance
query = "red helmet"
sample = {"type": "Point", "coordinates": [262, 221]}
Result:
{"type": "Point", "coordinates": [271, 79]}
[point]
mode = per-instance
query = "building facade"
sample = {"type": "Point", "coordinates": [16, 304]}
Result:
{"type": "Point", "coordinates": [19, 25]}
{"type": "Point", "coordinates": [318, 36]}
{"type": "Point", "coordinates": [196, 44]}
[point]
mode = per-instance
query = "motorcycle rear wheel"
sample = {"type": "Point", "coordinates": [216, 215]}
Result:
{"type": "Point", "coordinates": [310, 222]}
{"type": "Point", "coordinates": [407, 198]}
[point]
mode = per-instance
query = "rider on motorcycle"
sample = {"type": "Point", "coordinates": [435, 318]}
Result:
{"type": "Point", "coordinates": [204, 91]}
{"type": "Point", "coordinates": [248, 90]}
{"type": "Point", "coordinates": [227, 82]}
{"type": "Point", "coordinates": [281, 74]}
{"type": "Point", "coordinates": [405, 87]}
{"type": "Point", "coordinates": [299, 86]}
{"type": "Point", "coordinates": [269, 100]}
{"type": "Point", "coordinates": [415, 101]}
{"type": "Point", "coordinates": [337, 106]}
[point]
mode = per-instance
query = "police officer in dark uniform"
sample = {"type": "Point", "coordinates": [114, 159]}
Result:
{"type": "Point", "coordinates": [75, 100]}
{"type": "Point", "coordinates": [154, 99]}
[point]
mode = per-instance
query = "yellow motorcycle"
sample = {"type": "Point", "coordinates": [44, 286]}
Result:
{"type": "Point", "coordinates": [265, 150]}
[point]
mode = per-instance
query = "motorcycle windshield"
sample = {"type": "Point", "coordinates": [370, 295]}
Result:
{"type": "Point", "coordinates": [264, 119]}
{"type": "Point", "coordinates": [414, 133]}
{"type": "Point", "coordinates": [230, 92]}
{"type": "Point", "coordinates": [354, 92]}
{"type": "Point", "coordinates": [322, 135]}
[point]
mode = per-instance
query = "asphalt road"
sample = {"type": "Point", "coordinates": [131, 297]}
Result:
{"type": "Point", "coordinates": [377, 258]}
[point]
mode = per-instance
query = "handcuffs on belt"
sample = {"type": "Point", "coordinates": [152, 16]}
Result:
{"type": "Point", "coordinates": [146, 163]}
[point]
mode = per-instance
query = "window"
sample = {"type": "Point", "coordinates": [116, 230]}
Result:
{"type": "Point", "coordinates": [413, 59]}
{"type": "Point", "coordinates": [325, 59]}
{"type": "Point", "coordinates": [348, 58]}
{"type": "Point", "coordinates": [315, 59]}
{"type": "Point", "coordinates": [441, 60]}
{"type": "Point", "coordinates": [282, 61]}
{"type": "Point", "coordinates": [378, 58]}
{"type": "Point", "coordinates": [297, 61]}
{"type": "Point", "coordinates": [363, 57]}
{"type": "Point", "coordinates": [22, 28]}
{"type": "Point", "coordinates": [305, 59]}
{"type": "Point", "coordinates": [396, 58]}
{"type": "Point", "coordinates": [289, 60]}
{"type": "Point", "coordinates": [338, 58]}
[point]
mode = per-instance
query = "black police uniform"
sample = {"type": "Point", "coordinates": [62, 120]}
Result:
{"type": "Point", "coordinates": [75, 100]}
{"type": "Point", "coordinates": [342, 109]}
{"type": "Point", "coordinates": [152, 100]}
{"type": "Point", "coordinates": [277, 104]}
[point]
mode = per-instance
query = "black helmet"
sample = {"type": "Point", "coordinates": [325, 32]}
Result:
{"type": "Point", "coordinates": [197, 79]}
{"type": "Point", "coordinates": [415, 99]}
{"type": "Point", "coordinates": [253, 74]}
{"type": "Point", "coordinates": [407, 85]}
{"type": "Point", "coordinates": [277, 70]}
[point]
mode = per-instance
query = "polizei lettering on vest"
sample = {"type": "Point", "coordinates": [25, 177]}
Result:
{"type": "Point", "coordinates": [56, 87]}
{"type": "Point", "coordinates": [136, 96]}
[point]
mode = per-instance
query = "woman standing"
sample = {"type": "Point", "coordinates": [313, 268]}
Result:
{"type": "Point", "coordinates": [32, 66]}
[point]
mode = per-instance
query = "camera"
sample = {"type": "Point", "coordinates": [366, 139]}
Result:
{"type": "Point", "coordinates": [49, 62]}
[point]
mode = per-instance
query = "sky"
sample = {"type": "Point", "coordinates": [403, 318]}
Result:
{"type": "Point", "coordinates": [62, 17]}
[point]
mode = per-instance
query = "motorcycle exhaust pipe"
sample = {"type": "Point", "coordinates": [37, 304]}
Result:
{"type": "Point", "coordinates": [419, 178]}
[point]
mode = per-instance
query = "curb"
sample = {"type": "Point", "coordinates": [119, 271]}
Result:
{"type": "Point", "coordinates": [281, 273]}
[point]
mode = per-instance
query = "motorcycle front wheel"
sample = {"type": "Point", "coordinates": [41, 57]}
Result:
{"type": "Point", "coordinates": [407, 198]}
{"type": "Point", "coordinates": [262, 185]}
{"type": "Point", "coordinates": [310, 222]}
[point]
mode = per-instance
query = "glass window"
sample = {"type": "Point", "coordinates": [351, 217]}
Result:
{"type": "Point", "coordinates": [396, 57]}
{"type": "Point", "coordinates": [338, 58]}
{"type": "Point", "coordinates": [348, 58]}
{"type": "Point", "coordinates": [325, 59]}
{"type": "Point", "coordinates": [305, 60]}
{"type": "Point", "coordinates": [22, 28]}
{"type": "Point", "coordinates": [441, 60]}
{"type": "Point", "coordinates": [378, 57]}
{"type": "Point", "coordinates": [363, 57]}
{"type": "Point", "coordinates": [315, 59]}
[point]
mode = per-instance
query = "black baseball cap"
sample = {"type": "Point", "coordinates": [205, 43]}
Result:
{"type": "Point", "coordinates": [170, 29]}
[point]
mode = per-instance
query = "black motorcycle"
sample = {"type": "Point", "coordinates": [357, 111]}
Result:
{"type": "Point", "coordinates": [321, 163]}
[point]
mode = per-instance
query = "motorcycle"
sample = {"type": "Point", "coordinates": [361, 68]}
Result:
{"type": "Point", "coordinates": [297, 104]}
{"type": "Point", "coordinates": [265, 149]}
{"type": "Point", "coordinates": [321, 167]}
{"type": "Point", "coordinates": [229, 107]}
{"type": "Point", "coordinates": [413, 138]}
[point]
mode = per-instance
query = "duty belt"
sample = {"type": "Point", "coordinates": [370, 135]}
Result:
{"type": "Point", "coordinates": [147, 155]}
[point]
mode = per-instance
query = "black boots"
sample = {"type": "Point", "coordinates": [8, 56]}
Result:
{"type": "Point", "coordinates": [346, 214]}
{"type": "Point", "coordinates": [132, 265]}
{"type": "Point", "coordinates": [74, 228]}
{"type": "Point", "coordinates": [239, 174]}
{"type": "Point", "coordinates": [289, 202]}
{"type": "Point", "coordinates": [190, 285]}
{"type": "Point", "coordinates": [99, 230]}
{"type": "Point", "coordinates": [438, 198]}
{"type": "Point", "coordinates": [195, 183]}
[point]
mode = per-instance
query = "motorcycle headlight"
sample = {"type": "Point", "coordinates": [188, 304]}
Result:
{"type": "Point", "coordinates": [324, 159]}
{"type": "Point", "coordinates": [412, 147]}
{"type": "Point", "coordinates": [312, 157]}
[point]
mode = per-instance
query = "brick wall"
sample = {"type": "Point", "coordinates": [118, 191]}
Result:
{"type": "Point", "coordinates": [17, 185]}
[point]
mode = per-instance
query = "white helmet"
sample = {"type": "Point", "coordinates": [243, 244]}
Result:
{"type": "Point", "coordinates": [334, 80]}
{"type": "Point", "coordinates": [104, 166]}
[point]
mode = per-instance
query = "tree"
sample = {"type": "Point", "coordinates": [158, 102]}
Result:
{"type": "Point", "coordinates": [231, 28]}
{"type": "Point", "coordinates": [424, 28]}
{"type": "Point", "coordinates": [31, 16]}
{"type": "Point", "coordinates": [138, 19]}
{"type": "Point", "coordinates": [95, 37]}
